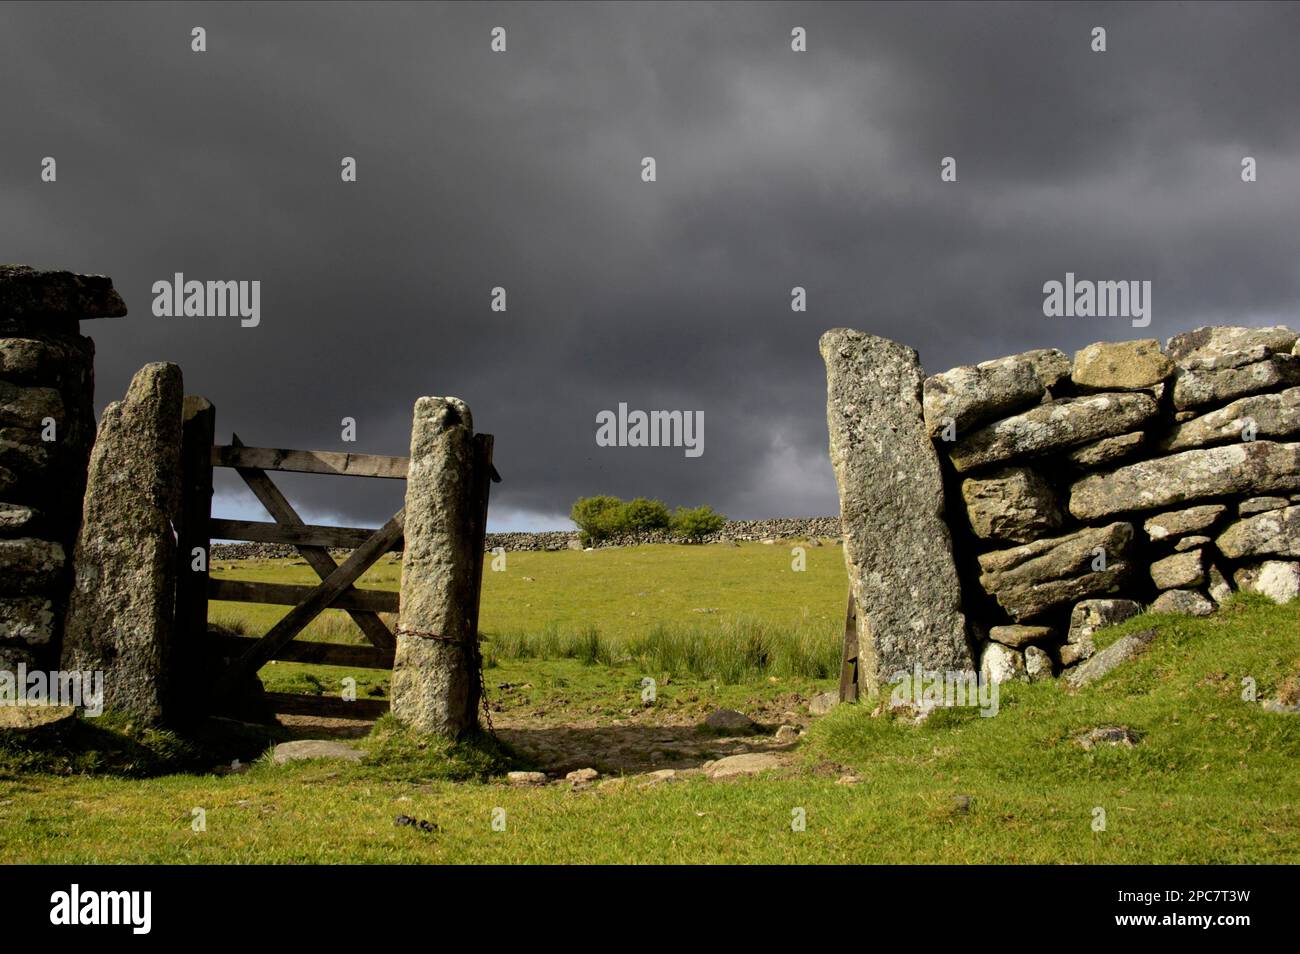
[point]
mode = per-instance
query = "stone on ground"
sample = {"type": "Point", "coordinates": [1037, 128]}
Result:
{"type": "Point", "coordinates": [1038, 664]}
{"type": "Point", "coordinates": [1112, 735]}
{"type": "Point", "coordinates": [1279, 580]}
{"type": "Point", "coordinates": [1000, 663]}
{"type": "Point", "coordinates": [1113, 656]}
{"type": "Point", "coordinates": [730, 721]}
{"type": "Point", "coordinates": [1217, 584]}
{"type": "Point", "coordinates": [526, 778]}
{"type": "Point", "coordinates": [304, 749]}
{"type": "Point", "coordinates": [1073, 653]}
{"type": "Point", "coordinates": [656, 778]}
{"type": "Point", "coordinates": [823, 702]}
{"type": "Point", "coordinates": [1088, 616]}
{"type": "Point", "coordinates": [747, 763]}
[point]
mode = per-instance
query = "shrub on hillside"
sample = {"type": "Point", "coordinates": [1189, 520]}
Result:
{"type": "Point", "coordinates": [596, 517]}
{"type": "Point", "coordinates": [695, 523]}
{"type": "Point", "coordinates": [599, 518]}
{"type": "Point", "coordinates": [642, 515]}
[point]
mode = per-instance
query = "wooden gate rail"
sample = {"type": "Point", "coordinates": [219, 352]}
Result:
{"type": "Point", "coordinates": [309, 462]}
{"type": "Point", "coordinates": [326, 654]}
{"type": "Point", "coordinates": [291, 594]}
{"type": "Point", "coordinates": [261, 531]}
{"type": "Point", "coordinates": [235, 454]}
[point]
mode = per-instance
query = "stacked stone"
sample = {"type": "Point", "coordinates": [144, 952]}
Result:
{"type": "Point", "coordinates": [47, 426]}
{"type": "Point", "coordinates": [1132, 475]}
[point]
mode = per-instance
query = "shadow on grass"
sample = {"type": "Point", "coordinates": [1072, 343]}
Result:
{"type": "Point", "coordinates": [113, 745]}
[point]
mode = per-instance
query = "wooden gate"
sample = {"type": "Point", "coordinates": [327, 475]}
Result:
{"type": "Point", "coordinates": [245, 655]}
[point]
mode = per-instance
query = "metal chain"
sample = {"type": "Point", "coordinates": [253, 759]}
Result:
{"type": "Point", "coordinates": [482, 695]}
{"type": "Point", "coordinates": [424, 634]}
{"type": "Point", "coordinates": [482, 681]}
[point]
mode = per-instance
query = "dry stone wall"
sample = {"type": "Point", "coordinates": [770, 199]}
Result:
{"type": "Point", "coordinates": [1083, 489]}
{"type": "Point", "coordinates": [47, 427]}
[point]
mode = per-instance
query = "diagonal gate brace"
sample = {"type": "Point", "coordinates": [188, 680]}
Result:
{"type": "Point", "coordinates": [318, 600]}
{"type": "Point", "coordinates": [318, 558]}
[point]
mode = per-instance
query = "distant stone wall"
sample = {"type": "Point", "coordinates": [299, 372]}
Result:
{"type": "Point", "coordinates": [47, 427]}
{"type": "Point", "coordinates": [1081, 490]}
{"type": "Point", "coordinates": [778, 528]}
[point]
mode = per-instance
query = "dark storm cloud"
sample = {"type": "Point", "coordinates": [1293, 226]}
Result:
{"type": "Point", "coordinates": [522, 170]}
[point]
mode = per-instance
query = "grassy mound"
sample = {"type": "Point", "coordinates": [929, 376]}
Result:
{"type": "Point", "coordinates": [1210, 773]}
{"type": "Point", "coordinates": [1210, 777]}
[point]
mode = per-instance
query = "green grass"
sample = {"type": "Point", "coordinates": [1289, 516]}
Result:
{"type": "Point", "coordinates": [733, 651]}
{"type": "Point", "coordinates": [1212, 780]}
{"type": "Point", "coordinates": [619, 592]}
{"type": "Point", "coordinates": [731, 614]}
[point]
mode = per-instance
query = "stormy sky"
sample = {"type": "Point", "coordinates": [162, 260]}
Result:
{"type": "Point", "coordinates": [523, 170]}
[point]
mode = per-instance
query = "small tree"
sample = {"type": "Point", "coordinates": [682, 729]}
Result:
{"type": "Point", "coordinates": [642, 515]}
{"type": "Point", "coordinates": [696, 523]}
{"type": "Point", "coordinates": [596, 517]}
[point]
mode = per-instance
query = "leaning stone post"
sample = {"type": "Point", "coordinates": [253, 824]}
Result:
{"type": "Point", "coordinates": [435, 686]}
{"type": "Point", "coordinates": [120, 615]}
{"type": "Point", "coordinates": [897, 547]}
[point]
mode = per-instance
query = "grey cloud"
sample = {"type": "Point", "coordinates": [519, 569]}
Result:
{"type": "Point", "coordinates": [522, 170]}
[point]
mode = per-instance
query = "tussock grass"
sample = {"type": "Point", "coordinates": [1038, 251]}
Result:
{"type": "Point", "coordinates": [395, 754]}
{"type": "Point", "coordinates": [730, 652]}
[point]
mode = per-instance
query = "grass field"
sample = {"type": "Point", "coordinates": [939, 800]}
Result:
{"type": "Point", "coordinates": [731, 614]}
{"type": "Point", "coordinates": [1212, 779]}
